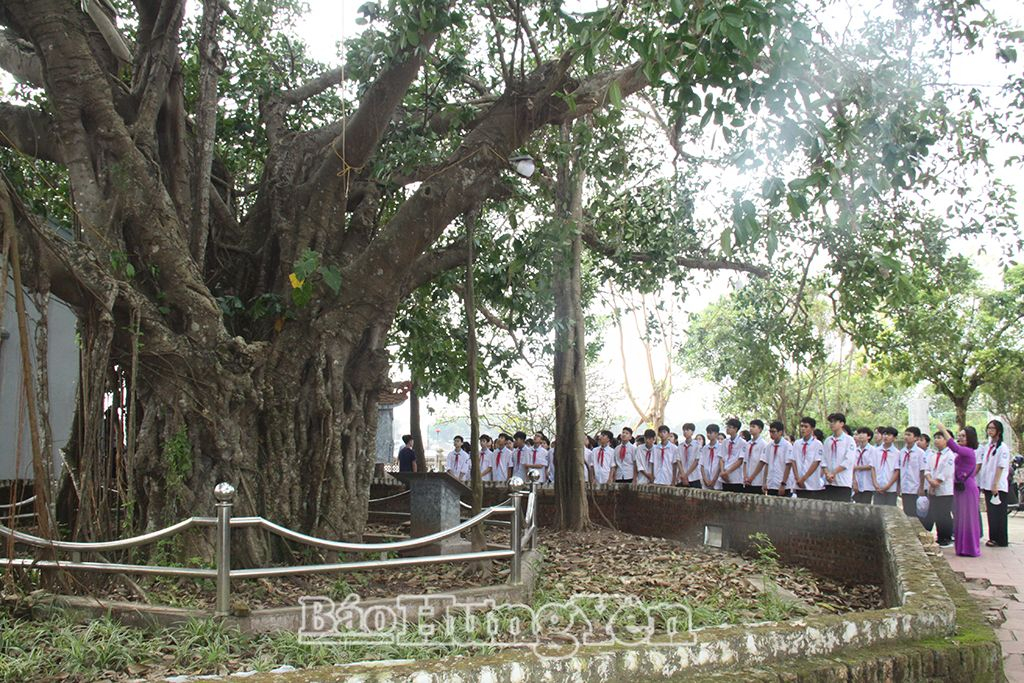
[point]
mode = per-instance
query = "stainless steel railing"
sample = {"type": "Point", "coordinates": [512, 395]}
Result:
{"type": "Point", "coordinates": [521, 538]}
{"type": "Point", "coordinates": [19, 504]}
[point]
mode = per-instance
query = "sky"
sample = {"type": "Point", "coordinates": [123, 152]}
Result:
{"type": "Point", "coordinates": [329, 21]}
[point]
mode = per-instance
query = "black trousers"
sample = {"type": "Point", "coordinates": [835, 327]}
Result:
{"type": "Point", "coordinates": [884, 498]}
{"type": "Point", "coordinates": [940, 515]}
{"type": "Point", "coordinates": [734, 488]}
{"type": "Point", "coordinates": [695, 484]}
{"type": "Point", "coordinates": [752, 489]}
{"type": "Point", "coordinates": [810, 495]}
{"type": "Point", "coordinates": [909, 504]}
{"type": "Point", "coordinates": [996, 520]}
{"type": "Point", "coordinates": [775, 492]}
{"type": "Point", "coordinates": [863, 497]}
{"type": "Point", "coordinates": [623, 481]}
{"type": "Point", "coordinates": [840, 494]}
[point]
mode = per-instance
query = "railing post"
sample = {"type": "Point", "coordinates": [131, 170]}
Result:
{"type": "Point", "coordinates": [517, 538]}
{"type": "Point", "coordinates": [225, 495]}
{"type": "Point", "coordinates": [534, 477]}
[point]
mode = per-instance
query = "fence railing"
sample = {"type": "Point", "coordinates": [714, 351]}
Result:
{"type": "Point", "coordinates": [523, 537]}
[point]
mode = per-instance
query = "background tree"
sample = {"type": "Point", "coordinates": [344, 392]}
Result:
{"type": "Point", "coordinates": [940, 325]}
{"type": "Point", "coordinates": [1004, 396]}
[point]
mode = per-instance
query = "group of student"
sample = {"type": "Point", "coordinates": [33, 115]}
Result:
{"type": "Point", "coordinates": [865, 465]}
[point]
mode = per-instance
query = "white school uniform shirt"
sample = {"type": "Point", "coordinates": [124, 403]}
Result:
{"type": "Point", "coordinates": [840, 452]}
{"type": "Point", "coordinates": [625, 455]}
{"type": "Point", "coordinates": [911, 464]}
{"type": "Point", "coordinates": [756, 454]}
{"type": "Point", "coordinates": [940, 466]}
{"type": "Point", "coordinates": [805, 452]}
{"type": "Point", "coordinates": [499, 462]}
{"type": "Point", "coordinates": [643, 457]}
{"type": "Point", "coordinates": [602, 458]}
{"type": "Point", "coordinates": [864, 457]}
{"type": "Point", "coordinates": [992, 458]}
{"type": "Point", "coordinates": [887, 461]}
{"type": "Point", "coordinates": [536, 455]}
{"type": "Point", "coordinates": [711, 461]}
{"type": "Point", "coordinates": [777, 455]}
{"type": "Point", "coordinates": [664, 460]}
{"type": "Point", "coordinates": [520, 454]}
{"type": "Point", "coordinates": [689, 453]}
{"type": "Point", "coordinates": [732, 450]}
{"type": "Point", "coordinates": [458, 461]}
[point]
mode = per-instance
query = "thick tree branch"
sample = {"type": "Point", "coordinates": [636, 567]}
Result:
{"type": "Point", "coordinates": [211, 65]}
{"type": "Point", "coordinates": [362, 131]}
{"type": "Point", "coordinates": [591, 239]}
{"type": "Point", "coordinates": [433, 263]}
{"type": "Point", "coordinates": [593, 93]}
{"type": "Point", "coordinates": [313, 87]}
{"type": "Point", "coordinates": [19, 59]}
{"type": "Point", "coordinates": [30, 131]}
{"type": "Point", "coordinates": [155, 63]}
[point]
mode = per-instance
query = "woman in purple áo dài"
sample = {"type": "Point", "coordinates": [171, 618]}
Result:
{"type": "Point", "coordinates": [966, 511]}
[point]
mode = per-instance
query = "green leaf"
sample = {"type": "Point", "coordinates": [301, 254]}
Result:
{"type": "Point", "coordinates": [678, 8]}
{"type": "Point", "coordinates": [302, 295]}
{"type": "Point", "coordinates": [306, 264]}
{"type": "Point", "coordinates": [332, 278]}
{"type": "Point", "coordinates": [615, 94]}
{"type": "Point", "coordinates": [726, 241]}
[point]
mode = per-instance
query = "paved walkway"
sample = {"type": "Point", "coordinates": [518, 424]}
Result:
{"type": "Point", "coordinates": [996, 579]}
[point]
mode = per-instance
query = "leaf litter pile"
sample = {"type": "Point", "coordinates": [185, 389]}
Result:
{"type": "Point", "coordinates": [718, 586]}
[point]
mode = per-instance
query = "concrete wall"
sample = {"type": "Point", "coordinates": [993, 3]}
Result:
{"type": "Point", "coordinates": [915, 638]}
{"type": "Point", "coordinates": [62, 360]}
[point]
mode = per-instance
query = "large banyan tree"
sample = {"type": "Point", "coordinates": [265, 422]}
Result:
{"type": "Point", "coordinates": [247, 226]}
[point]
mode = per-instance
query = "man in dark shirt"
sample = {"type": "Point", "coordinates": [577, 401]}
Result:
{"type": "Point", "coordinates": [407, 456]}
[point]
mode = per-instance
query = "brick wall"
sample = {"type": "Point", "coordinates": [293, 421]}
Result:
{"type": "Point", "coordinates": [839, 540]}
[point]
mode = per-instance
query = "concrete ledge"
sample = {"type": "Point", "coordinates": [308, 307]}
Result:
{"type": "Point", "coordinates": [883, 538]}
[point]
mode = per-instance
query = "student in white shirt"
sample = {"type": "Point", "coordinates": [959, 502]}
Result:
{"type": "Point", "coordinates": [733, 455]}
{"type": "Point", "coordinates": [486, 458]}
{"type": "Point", "coordinates": [992, 479]}
{"type": "Point", "coordinates": [887, 469]}
{"type": "Point", "coordinates": [938, 473]}
{"type": "Point", "coordinates": [689, 458]}
{"type": "Point", "coordinates": [756, 462]}
{"type": "Point", "coordinates": [457, 463]}
{"type": "Point", "coordinates": [911, 465]}
{"type": "Point", "coordinates": [625, 456]}
{"type": "Point", "coordinates": [711, 460]}
{"type": "Point", "coordinates": [536, 457]}
{"type": "Point", "coordinates": [779, 479]}
{"type": "Point", "coordinates": [520, 454]}
{"type": "Point", "coordinates": [665, 462]}
{"type": "Point", "coordinates": [807, 456]}
{"type": "Point", "coordinates": [501, 469]}
{"type": "Point", "coordinates": [925, 444]}
{"type": "Point", "coordinates": [838, 458]}
{"type": "Point", "coordinates": [602, 459]}
{"type": "Point", "coordinates": [644, 458]}
{"type": "Point", "coordinates": [863, 466]}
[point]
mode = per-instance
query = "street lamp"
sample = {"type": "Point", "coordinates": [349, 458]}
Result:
{"type": "Point", "coordinates": [523, 164]}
